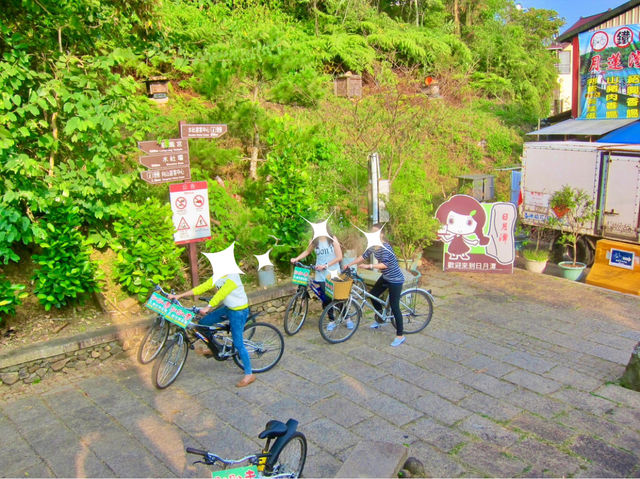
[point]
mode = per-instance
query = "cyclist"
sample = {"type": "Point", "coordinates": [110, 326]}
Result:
{"type": "Point", "coordinates": [328, 256]}
{"type": "Point", "coordinates": [391, 279]}
{"type": "Point", "coordinates": [235, 307]}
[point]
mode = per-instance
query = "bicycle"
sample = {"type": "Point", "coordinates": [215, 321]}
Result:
{"type": "Point", "coordinates": [263, 342]}
{"type": "Point", "coordinates": [156, 336]}
{"type": "Point", "coordinates": [298, 307]}
{"type": "Point", "coordinates": [284, 458]}
{"type": "Point", "coordinates": [416, 305]}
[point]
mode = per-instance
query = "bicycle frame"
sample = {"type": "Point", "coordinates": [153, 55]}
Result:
{"type": "Point", "coordinates": [264, 460]}
{"type": "Point", "coordinates": [360, 296]}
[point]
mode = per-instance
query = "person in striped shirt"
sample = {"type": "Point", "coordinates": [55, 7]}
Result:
{"type": "Point", "coordinates": [235, 306]}
{"type": "Point", "coordinates": [391, 279]}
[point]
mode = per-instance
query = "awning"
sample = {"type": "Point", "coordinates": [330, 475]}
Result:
{"type": "Point", "coordinates": [582, 127]}
{"type": "Point", "coordinates": [627, 134]}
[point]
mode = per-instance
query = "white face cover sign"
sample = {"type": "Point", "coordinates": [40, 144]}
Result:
{"type": "Point", "coordinates": [223, 262]}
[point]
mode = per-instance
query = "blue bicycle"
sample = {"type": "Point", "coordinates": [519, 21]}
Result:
{"type": "Point", "coordinates": [298, 306]}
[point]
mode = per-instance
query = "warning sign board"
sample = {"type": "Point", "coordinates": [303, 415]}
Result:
{"type": "Point", "coordinates": [201, 223]}
{"type": "Point", "coordinates": [190, 206]}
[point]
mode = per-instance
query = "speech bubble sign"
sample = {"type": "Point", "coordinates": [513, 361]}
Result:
{"type": "Point", "coordinates": [263, 260]}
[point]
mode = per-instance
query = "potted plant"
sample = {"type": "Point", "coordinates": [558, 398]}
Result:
{"type": "Point", "coordinates": [573, 209]}
{"type": "Point", "coordinates": [536, 258]}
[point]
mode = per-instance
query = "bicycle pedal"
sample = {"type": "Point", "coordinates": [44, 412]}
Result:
{"type": "Point", "coordinates": [191, 346]}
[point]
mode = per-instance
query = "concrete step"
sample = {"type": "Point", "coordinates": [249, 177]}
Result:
{"type": "Point", "coordinates": [374, 459]}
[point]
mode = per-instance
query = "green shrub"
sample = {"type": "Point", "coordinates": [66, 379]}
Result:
{"type": "Point", "coordinates": [145, 248]}
{"type": "Point", "coordinates": [11, 295]}
{"type": "Point", "coordinates": [66, 273]}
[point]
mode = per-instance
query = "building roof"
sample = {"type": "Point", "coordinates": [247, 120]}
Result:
{"type": "Point", "coordinates": [583, 127]}
{"type": "Point", "coordinates": [586, 23]}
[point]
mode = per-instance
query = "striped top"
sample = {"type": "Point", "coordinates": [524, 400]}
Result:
{"type": "Point", "coordinates": [386, 256]}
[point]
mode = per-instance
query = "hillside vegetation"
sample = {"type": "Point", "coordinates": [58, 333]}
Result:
{"type": "Point", "coordinates": [73, 106]}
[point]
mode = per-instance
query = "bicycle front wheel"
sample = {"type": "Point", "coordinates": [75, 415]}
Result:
{"type": "Point", "coordinates": [416, 306]}
{"type": "Point", "coordinates": [153, 341]}
{"type": "Point", "coordinates": [339, 320]}
{"type": "Point", "coordinates": [171, 360]}
{"type": "Point", "coordinates": [291, 458]}
{"type": "Point", "coordinates": [296, 312]}
{"type": "Point", "coordinates": [265, 346]}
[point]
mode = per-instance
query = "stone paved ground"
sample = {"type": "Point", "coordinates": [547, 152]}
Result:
{"type": "Point", "coordinates": [515, 377]}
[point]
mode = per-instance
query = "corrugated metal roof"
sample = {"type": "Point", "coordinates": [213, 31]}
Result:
{"type": "Point", "coordinates": [582, 127]}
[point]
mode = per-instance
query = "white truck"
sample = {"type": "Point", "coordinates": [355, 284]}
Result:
{"type": "Point", "coordinates": [609, 173]}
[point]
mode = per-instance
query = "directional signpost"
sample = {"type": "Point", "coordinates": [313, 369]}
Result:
{"type": "Point", "coordinates": [168, 162]}
{"type": "Point", "coordinates": [201, 130]}
{"type": "Point", "coordinates": [166, 175]}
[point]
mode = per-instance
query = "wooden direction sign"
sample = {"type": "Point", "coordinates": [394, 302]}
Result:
{"type": "Point", "coordinates": [180, 158]}
{"type": "Point", "coordinates": [201, 130]}
{"type": "Point", "coordinates": [166, 175]}
{"type": "Point", "coordinates": [170, 146]}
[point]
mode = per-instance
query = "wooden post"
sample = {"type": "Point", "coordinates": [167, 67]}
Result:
{"type": "Point", "coordinates": [193, 264]}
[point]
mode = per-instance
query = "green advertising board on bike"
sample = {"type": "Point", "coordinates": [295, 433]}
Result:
{"type": "Point", "coordinates": [249, 472]}
{"type": "Point", "coordinates": [170, 311]}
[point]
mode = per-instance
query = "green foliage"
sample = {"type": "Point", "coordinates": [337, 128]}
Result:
{"type": "Point", "coordinates": [145, 248]}
{"type": "Point", "coordinates": [11, 295]}
{"type": "Point", "coordinates": [294, 185]}
{"type": "Point", "coordinates": [575, 210]}
{"type": "Point", "coordinates": [535, 254]}
{"type": "Point", "coordinates": [66, 272]}
{"type": "Point", "coordinates": [14, 228]}
{"type": "Point", "coordinates": [411, 211]}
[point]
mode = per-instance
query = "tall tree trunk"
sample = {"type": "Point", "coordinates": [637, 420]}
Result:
{"type": "Point", "coordinates": [417, 13]}
{"type": "Point", "coordinates": [456, 17]}
{"type": "Point", "coordinates": [253, 165]}
{"type": "Point", "coordinates": [315, 15]}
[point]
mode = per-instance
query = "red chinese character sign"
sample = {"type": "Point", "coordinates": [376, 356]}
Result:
{"type": "Point", "coordinates": [477, 237]}
{"type": "Point", "coordinates": [190, 207]}
{"type": "Point", "coordinates": [610, 73]}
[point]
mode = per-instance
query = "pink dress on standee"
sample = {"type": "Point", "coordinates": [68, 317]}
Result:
{"type": "Point", "coordinates": [458, 246]}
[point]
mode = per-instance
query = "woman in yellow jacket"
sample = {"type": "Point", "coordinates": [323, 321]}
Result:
{"type": "Point", "coordinates": [235, 306]}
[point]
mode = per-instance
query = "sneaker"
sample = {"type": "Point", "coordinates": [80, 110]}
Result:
{"type": "Point", "coordinates": [398, 341]}
{"type": "Point", "coordinates": [331, 326]}
{"type": "Point", "coordinates": [376, 325]}
{"type": "Point", "coordinates": [349, 324]}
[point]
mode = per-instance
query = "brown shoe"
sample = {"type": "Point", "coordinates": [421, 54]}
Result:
{"type": "Point", "coordinates": [245, 381]}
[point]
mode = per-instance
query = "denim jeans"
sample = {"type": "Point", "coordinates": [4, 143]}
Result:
{"type": "Point", "coordinates": [237, 320]}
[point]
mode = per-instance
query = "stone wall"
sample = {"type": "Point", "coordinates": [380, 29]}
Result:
{"type": "Point", "coordinates": [34, 362]}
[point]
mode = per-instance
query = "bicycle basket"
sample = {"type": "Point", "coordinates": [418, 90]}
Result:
{"type": "Point", "coordinates": [339, 288]}
{"type": "Point", "coordinates": [301, 275]}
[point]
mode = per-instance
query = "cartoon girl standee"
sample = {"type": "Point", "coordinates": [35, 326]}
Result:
{"type": "Point", "coordinates": [462, 217]}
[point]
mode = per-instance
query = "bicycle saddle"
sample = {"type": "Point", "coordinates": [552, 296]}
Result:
{"type": "Point", "coordinates": [273, 429]}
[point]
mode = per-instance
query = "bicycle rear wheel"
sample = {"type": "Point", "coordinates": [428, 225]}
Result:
{"type": "Point", "coordinates": [265, 346]}
{"type": "Point", "coordinates": [153, 341]}
{"type": "Point", "coordinates": [168, 366]}
{"type": "Point", "coordinates": [416, 306]}
{"type": "Point", "coordinates": [346, 318]}
{"type": "Point", "coordinates": [296, 312]}
{"type": "Point", "coordinates": [291, 458]}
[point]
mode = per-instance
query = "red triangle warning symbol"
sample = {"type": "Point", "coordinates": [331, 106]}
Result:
{"type": "Point", "coordinates": [201, 222]}
{"type": "Point", "coordinates": [183, 225]}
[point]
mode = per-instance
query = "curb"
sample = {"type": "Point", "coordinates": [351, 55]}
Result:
{"type": "Point", "coordinates": [120, 333]}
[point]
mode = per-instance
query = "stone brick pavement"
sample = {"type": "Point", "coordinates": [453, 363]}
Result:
{"type": "Point", "coordinates": [515, 377]}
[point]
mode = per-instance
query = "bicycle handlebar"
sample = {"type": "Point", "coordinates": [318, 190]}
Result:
{"type": "Point", "coordinates": [211, 458]}
{"type": "Point", "coordinates": [302, 265]}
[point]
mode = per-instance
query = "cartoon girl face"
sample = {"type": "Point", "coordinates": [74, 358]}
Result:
{"type": "Point", "coordinates": [460, 224]}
